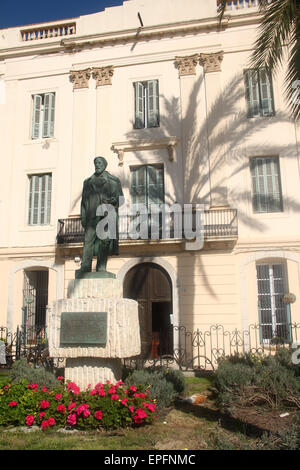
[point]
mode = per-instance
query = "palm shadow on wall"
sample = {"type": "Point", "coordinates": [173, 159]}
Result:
{"type": "Point", "coordinates": [226, 131]}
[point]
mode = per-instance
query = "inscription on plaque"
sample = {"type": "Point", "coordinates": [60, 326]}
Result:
{"type": "Point", "coordinates": [83, 328]}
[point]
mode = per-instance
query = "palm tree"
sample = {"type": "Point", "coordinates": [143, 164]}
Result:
{"type": "Point", "coordinates": [278, 39]}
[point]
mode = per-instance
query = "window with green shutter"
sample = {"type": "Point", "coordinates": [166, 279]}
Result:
{"type": "Point", "coordinates": [39, 205]}
{"type": "Point", "coordinates": [147, 185]}
{"type": "Point", "coordinates": [147, 189]}
{"type": "Point", "coordinates": [43, 116]}
{"type": "Point", "coordinates": [259, 92]}
{"type": "Point", "coordinates": [146, 95]}
{"type": "Point", "coordinates": [266, 184]}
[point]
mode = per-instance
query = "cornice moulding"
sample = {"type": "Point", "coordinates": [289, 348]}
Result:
{"type": "Point", "coordinates": [145, 144]}
{"type": "Point", "coordinates": [77, 43]}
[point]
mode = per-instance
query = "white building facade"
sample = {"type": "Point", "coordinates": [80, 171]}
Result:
{"type": "Point", "coordinates": [168, 97]}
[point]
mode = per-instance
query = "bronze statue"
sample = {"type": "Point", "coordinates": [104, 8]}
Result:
{"type": "Point", "coordinates": [100, 188]}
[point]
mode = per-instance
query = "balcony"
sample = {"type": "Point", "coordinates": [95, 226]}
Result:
{"type": "Point", "coordinates": [234, 5]}
{"type": "Point", "coordinates": [218, 225]}
{"type": "Point", "coordinates": [49, 31]}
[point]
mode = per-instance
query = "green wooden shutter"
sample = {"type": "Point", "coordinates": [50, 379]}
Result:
{"type": "Point", "coordinates": [252, 93]}
{"type": "Point", "coordinates": [139, 105]}
{"type": "Point", "coordinates": [49, 105]}
{"type": "Point", "coordinates": [152, 103]}
{"type": "Point", "coordinates": [39, 209]}
{"type": "Point", "coordinates": [36, 116]}
{"type": "Point", "coordinates": [155, 185]}
{"type": "Point", "coordinates": [266, 184]}
{"type": "Point", "coordinates": [266, 93]}
{"type": "Point", "coordinates": [138, 187]}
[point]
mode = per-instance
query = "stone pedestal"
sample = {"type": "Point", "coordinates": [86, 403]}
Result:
{"type": "Point", "coordinates": [88, 363]}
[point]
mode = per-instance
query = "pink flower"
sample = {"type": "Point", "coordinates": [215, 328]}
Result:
{"type": "Point", "coordinates": [44, 389]}
{"type": "Point", "coordinates": [119, 383]}
{"type": "Point", "coordinates": [71, 406]}
{"type": "Point", "coordinates": [13, 403]}
{"type": "Point", "coordinates": [112, 390]}
{"type": "Point", "coordinates": [139, 416]}
{"type": "Point", "coordinates": [29, 420]}
{"type": "Point", "coordinates": [60, 377]}
{"type": "Point", "coordinates": [73, 388]}
{"type": "Point", "coordinates": [51, 421]}
{"type": "Point", "coordinates": [61, 408]}
{"type": "Point", "coordinates": [44, 404]}
{"type": "Point", "coordinates": [58, 396]}
{"type": "Point", "coordinates": [84, 409]}
{"type": "Point", "coordinates": [71, 419]}
{"type": "Point", "coordinates": [101, 393]}
{"type": "Point", "coordinates": [150, 406]}
{"type": "Point", "coordinates": [124, 401]}
{"type": "Point", "coordinates": [115, 397]}
{"type": "Point", "coordinates": [45, 424]}
{"type": "Point", "coordinates": [133, 388]}
{"type": "Point", "coordinates": [98, 414]}
{"type": "Point", "coordinates": [33, 387]}
{"type": "Point", "coordinates": [131, 408]}
{"type": "Point", "coordinates": [42, 414]}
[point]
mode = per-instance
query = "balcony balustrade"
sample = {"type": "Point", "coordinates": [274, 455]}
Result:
{"type": "Point", "coordinates": [50, 31]}
{"type": "Point", "coordinates": [217, 224]}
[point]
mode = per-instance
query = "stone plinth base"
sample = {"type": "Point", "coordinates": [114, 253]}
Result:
{"type": "Point", "coordinates": [117, 336]}
{"type": "Point", "coordinates": [90, 371]}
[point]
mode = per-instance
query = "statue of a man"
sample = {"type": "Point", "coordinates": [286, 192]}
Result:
{"type": "Point", "coordinates": [100, 188]}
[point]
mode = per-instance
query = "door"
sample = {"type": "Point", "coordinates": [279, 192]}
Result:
{"type": "Point", "coordinates": [150, 286]}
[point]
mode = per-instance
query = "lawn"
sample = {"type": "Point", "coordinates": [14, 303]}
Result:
{"type": "Point", "coordinates": [182, 426]}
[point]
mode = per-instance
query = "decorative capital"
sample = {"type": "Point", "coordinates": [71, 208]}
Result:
{"type": "Point", "coordinates": [187, 65]}
{"type": "Point", "coordinates": [103, 75]}
{"type": "Point", "coordinates": [211, 62]}
{"type": "Point", "coordinates": [80, 78]}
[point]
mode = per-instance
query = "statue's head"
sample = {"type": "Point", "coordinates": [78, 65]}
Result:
{"type": "Point", "coordinates": [100, 164]}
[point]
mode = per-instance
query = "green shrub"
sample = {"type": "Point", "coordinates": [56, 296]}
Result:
{"type": "Point", "coordinates": [21, 370]}
{"type": "Point", "coordinates": [163, 384]}
{"type": "Point", "coordinates": [261, 380]}
{"type": "Point", "coordinates": [105, 406]}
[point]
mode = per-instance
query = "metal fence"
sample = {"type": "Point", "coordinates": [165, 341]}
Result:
{"type": "Point", "coordinates": [179, 347]}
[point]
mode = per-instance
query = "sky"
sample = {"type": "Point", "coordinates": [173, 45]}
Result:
{"type": "Point", "coordinates": [25, 12]}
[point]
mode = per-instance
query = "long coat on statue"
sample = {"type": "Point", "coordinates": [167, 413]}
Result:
{"type": "Point", "coordinates": [102, 189]}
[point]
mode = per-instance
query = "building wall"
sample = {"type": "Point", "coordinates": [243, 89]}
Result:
{"type": "Point", "coordinates": [205, 112]}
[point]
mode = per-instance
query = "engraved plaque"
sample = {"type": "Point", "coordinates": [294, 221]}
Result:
{"type": "Point", "coordinates": [83, 328]}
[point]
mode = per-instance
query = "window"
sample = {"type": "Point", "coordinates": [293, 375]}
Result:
{"type": "Point", "coordinates": [274, 315]}
{"type": "Point", "coordinates": [146, 104]}
{"type": "Point", "coordinates": [147, 189]}
{"type": "Point", "coordinates": [147, 185]}
{"type": "Point", "coordinates": [266, 184]}
{"type": "Point", "coordinates": [39, 207]}
{"type": "Point", "coordinates": [43, 116]}
{"type": "Point", "coordinates": [259, 93]}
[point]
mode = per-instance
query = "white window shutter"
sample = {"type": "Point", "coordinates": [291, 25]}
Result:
{"type": "Point", "coordinates": [36, 116]}
{"type": "Point", "coordinates": [139, 105]}
{"type": "Point", "coordinates": [49, 106]}
{"type": "Point", "coordinates": [152, 103]}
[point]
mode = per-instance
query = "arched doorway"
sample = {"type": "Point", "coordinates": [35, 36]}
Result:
{"type": "Point", "coordinates": [150, 285]}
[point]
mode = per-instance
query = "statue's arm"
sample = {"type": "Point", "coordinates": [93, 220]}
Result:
{"type": "Point", "coordinates": [83, 205]}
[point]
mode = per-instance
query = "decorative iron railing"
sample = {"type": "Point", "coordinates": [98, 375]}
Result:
{"type": "Point", "coordinates": [175, 347]}
{"type": "Point", "coordinates": [217, 224]}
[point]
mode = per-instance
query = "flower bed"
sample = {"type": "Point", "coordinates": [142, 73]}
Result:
{"type": "Point", "coordinates": [105, 406]}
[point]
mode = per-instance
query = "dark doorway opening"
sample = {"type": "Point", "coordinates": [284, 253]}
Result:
{"type": "Point", "coordinates": [150, 286]}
